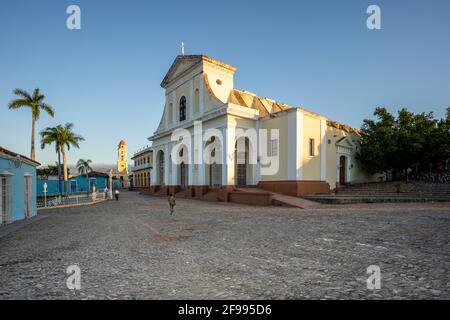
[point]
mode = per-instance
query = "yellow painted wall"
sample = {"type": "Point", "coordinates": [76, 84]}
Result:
{"type": "Point", "coordinates": [280, 123]}
{"type": "Point", "coordinates": [311, 165]}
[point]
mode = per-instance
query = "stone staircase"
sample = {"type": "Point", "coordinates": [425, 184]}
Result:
{"type": "Point", "coordinates": [181, 193]}
{"type": "Point", "coordinates": [387, 192]}
{"type": "Point", "coordinates": [257, 196]}
{"type": "Point", "coordinates": [247, 196]}
{"type": "Point", "coordinates": [211, 195]}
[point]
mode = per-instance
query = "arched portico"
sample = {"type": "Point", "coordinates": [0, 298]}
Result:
{"type": "Point", "coordinates": [213, 162]}
{"type": "Point", "coordinates": [244, 162]}
{"type": "Point", "coordinates": [182, 167]}
{"type": "Point", "coordinates": [160, 163]}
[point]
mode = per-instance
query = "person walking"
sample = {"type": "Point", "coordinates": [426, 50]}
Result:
{"type": "Point", "coordinates": [172, 203]}
{"type": "Point", "coordinates": [116, 194]}
{"type": "Point", "coordinates": [106, 192]}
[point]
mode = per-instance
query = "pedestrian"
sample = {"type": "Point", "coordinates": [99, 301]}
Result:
{"type": "Point", "coordinates": [172, 203]}
{"type": "Point", "coordinates": [116, 194]}
{"type": "Point", "coordinates": [106, 192]}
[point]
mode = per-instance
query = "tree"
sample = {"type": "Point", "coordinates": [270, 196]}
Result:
{"type": "Point", "coordinates": [36, 103]}
{"type": "Point", "coordinates": [377, 144]}
{"type": "Point", "coordinates": [411, 132]}
{"type": "Point", "coordinates": [411, 140]}
{"type": "Point", "coordinates": [84, 167]}
{"type": "Point", "coordinates": [50, 170]}
{"type": "Point", "coordinates": [63, 137]}
{"type": "Point", "coordinates": [437, 154]}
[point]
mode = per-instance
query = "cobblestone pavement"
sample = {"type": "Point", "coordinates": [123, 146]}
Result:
{"type": "Point", "coordinates": [132, 249]}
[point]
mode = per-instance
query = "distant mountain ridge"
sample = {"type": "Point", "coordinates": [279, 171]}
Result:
{"type": "Point", "coordinates": [100, 167]}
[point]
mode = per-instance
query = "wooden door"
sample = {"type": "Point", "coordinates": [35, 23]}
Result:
{"type": "Point", "coordinates": [342, 170]}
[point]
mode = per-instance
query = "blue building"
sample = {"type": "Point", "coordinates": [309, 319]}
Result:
{"type": "Point", "coordinates": [17, 186]}
{"type": "Point", "coordinates": [77, 184]}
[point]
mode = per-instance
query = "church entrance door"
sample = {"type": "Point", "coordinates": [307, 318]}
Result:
{"type": "Point", "coordinates": [342, 169]}
{"type": "Point", "coordinates": [241, 161]}
{"type": "Point", "coordinates": [161, 168]}
{"type": "Point", "coordinates": [183, 175]}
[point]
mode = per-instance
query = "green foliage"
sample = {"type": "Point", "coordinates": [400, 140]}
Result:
{"type": "Point", "coordinates": [61, 136]}
{"type": "Point", "coordinates": [34, 101]}
{"type": "Point", "coordinates": [83, 166]}
{"type": "Point", "coordinates": [50, 170]}
{"type": "Point", "coordinates": [411, 140]}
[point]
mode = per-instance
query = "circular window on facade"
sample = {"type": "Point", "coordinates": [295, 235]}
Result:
{"type": "Point", "coordinates": [219, 82]}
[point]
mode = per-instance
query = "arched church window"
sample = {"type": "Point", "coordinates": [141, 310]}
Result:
{"type": "Point", "coordinates": [183, 108]}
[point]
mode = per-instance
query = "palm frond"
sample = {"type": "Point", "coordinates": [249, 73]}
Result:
{"type": "Point", "coordinates": [36, 94]}
{"type": "Point", "coordinates": [61, 135]}
{"type": "Point", "coordinates": [22, 93]}
{"type": "Point", "coordinates": [16, 104]}
{"type": "Point", "coordinates": [68, 126]}
{"type": "Point", "coordinates": [48, 108]}
{"type": "Point", "coordinates": [83, 166]}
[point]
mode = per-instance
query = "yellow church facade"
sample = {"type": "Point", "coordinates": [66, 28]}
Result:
{"type": "Point", "coordinates": [142, 167]}
{"type": "Point", "coordinates": [224, 138]}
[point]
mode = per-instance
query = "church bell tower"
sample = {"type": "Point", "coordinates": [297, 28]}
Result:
{"type": "Point", "coordinates": [122, 158]}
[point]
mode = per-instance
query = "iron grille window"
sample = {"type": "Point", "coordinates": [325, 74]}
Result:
{"type": "Point", "coordinates": [274, 147]}
{"type": "Point", "coordinates": [5, 199]}
{"type": "Point", "coordinates": [28, 196]}
{"type": "Point", "coordinates": [311, 147]}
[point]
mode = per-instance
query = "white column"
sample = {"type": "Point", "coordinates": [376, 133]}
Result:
{"type": "Point", "coordinates": [173, 180]}
{"type": "Point", "coordinates": [323, 149]}
{"type": "Point", "coordinates": [338, 155]}
{"type": "Point", "coordinates": [228, 155]}
{"type": "Point", "coordinates": [153, 171]}
{"type": "Point", "coordinates": [191, 165]}
{"type": "Point", "coordinates": [349, 165]}
{"type": "Point", "coordinates": [295, 145]}
{"type": "Point", "coordinates": [201, 94]}
{"type": "Point", "coordinates": [166, 164]}
{"type": "Point", "coordinates": [191, 100]}
{"type": "Point", "coordinates": [300, 141]}
{"type": "Point", "coordinates": [257, 165]}
{"type": "Point", "coordinates": [174, 107]}
{"type": "Point", "coordinates": [201, 163]}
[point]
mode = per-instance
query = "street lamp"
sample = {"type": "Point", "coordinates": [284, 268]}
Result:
{"type": "Point", "coordinates": [45, 194]}
{"type": "Point", "coordinates": [110, 183]}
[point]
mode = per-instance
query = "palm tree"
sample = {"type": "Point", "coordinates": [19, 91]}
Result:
{"type": "Point", "coordinates": [63, 137]}
{"type": "Point", "coordinates": [36, 103]}
{"type": "Point", "coordinates": [84, 167]}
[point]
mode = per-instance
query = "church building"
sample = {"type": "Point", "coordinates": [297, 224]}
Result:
{"type": "Point", "coordinates": [227, 151]}
{"type": "Point", "coordinates": [122, 157]}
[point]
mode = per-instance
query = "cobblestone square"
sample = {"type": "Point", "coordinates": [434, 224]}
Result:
{"type": "Point", "coordinates": [133, 249]}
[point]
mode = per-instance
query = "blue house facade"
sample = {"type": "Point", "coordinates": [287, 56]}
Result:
{"type": "Point", "coordinates": [77, 184]}
{"type": "Point", "coordinates": [17, 186]}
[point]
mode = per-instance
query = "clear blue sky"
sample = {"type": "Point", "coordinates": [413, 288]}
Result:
{"type": "Point", "coordinates": [316, 54]}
